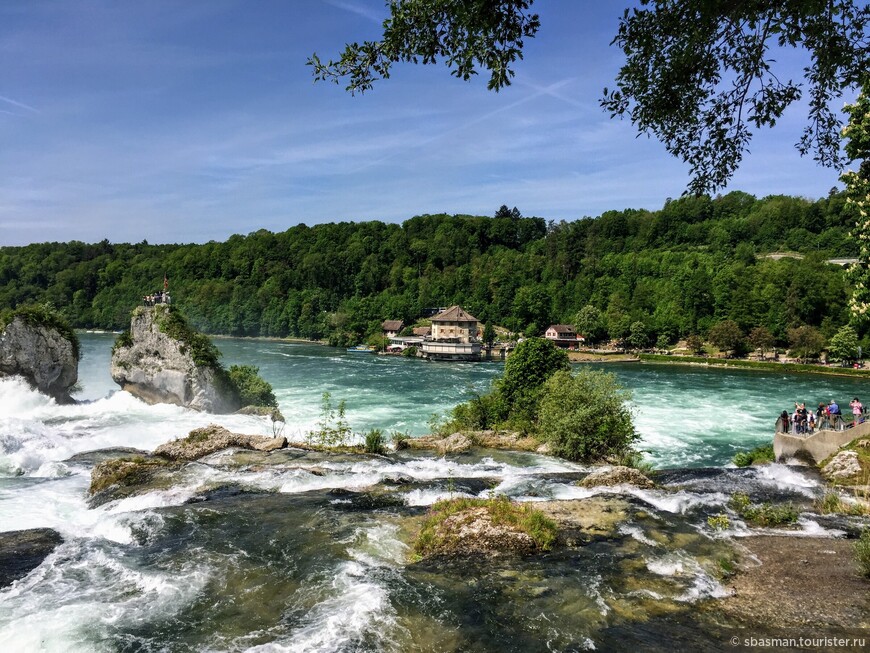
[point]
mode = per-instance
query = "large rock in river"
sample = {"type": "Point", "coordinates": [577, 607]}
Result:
{"type": "Point", "coordinates": [23, 551]}
{"type": "Point", "coordinates": [157, 362]}
{"type": "Point", "coordinates": [40, 353]}
{"type": "Point", "coordinates": [209, 439]}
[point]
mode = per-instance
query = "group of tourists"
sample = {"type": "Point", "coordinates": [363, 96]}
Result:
{"type": "Point", "coordinates": [826, 416]}
{"type": "Point", "coordinates": [160, 297]}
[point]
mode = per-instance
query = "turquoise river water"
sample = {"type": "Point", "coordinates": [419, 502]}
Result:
{"type": "Point", "coordinates": [294, 551]}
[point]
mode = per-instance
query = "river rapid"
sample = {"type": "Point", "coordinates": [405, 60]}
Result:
{"type": "Point", "coordinates": [309, 552]}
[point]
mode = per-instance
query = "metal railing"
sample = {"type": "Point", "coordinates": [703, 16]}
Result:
{"type": "Point", "coordinates": [832, 423]}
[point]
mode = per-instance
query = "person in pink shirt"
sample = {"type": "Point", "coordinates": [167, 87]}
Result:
{"type": "Point", "coordinates": [857, 410]}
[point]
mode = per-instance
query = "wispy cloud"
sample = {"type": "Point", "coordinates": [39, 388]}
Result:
{"type": "Point", "coordinates": [359, 9]}
{"type": "Point", "coordinates": [16, 103]}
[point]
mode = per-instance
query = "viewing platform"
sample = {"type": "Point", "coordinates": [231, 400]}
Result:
{"type": "Point", "coordinates": [819, 444]}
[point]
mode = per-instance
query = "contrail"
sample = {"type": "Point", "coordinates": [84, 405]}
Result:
{"type": "Point", "coordinates": [18, 104]}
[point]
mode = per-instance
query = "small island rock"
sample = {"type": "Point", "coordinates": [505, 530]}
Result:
{"type": "Point", "coordinates": [42, 355]}
{"type": "Point", "coordinates": [158, 368]}
{"type": "Point", "coordinates": [616, 475]}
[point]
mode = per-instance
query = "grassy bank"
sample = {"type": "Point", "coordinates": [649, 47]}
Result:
{"type": "Point", "coordinates": [767, 366]}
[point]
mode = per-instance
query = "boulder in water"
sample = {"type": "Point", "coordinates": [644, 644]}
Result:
{"type": "Point", "coordinates": [461, 527]}
{"type": "Point", "coordinates": [162, 360]}
{"type": "Point", "coordinates": [23, 551]}
{"type": "Point", "coordinates": [45, 354]}
{"type": "Point", "coordinates": [617, 475]}
{"type": "Point", "coordinates": [118, 478]}
{"type": "Point", "coordinates": [212, 438]}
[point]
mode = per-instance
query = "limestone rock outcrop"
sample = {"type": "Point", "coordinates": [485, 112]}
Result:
{"type": "Point", "coordinates": [844, 465]}
{"type": "Point", "coordinates": [42, 355]}
{"type": "Point", "coordinates": [209, 439]}
{"type": "Point", "coordinates": [158, 368]}
{"type": "Point", "coordinates": [616, 475]}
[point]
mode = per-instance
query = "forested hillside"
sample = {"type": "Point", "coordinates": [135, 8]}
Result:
{"type": "Point", "coordinates": [678, 270]}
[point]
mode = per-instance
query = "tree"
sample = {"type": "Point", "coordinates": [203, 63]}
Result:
{"type": "Point", "coordinates": [590, 323]}
{"type": "Point", "coordinates": [638, 336]}
{"type": "Point", "coordinates": [806, 342]}
{"type": "Point", "coordinates": [695, 345]}
{"type": "Point", "coordinates": [727, 336]}
{"type": "Point", "coordinates": [505, 212]}
{"type": "Point", "coordinates": [698, 74]}
{"type": "Point", "coordinates": [761, 339]}
{"type": "Point", "coordinates": [585, 417]}
{"type": "Point", "coordinates": [533, 361]}
{"type": "Point", "coordinates": [488, 333]}
{"type": "Point", "coordinates": [857, 134]}
{"type": "Point", "coordinates": [467, 35]}
{"type": "Point", "coordinates": [844, 345]}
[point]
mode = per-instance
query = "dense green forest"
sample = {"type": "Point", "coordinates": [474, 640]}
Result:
{"type": "Point", "coordinates": [679, 270]}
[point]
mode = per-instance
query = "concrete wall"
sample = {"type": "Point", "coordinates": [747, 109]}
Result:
{"type": "Point", "coordinates": [819, 445]}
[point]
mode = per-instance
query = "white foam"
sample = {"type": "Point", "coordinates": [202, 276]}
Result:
{"type": "Point", "coordinates": [636, 532]}
{"type": "Point", "coordinates": [786, 478]}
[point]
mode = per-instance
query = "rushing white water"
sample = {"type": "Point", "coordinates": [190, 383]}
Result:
{"type": "Point", "coordinates": [156, 572]}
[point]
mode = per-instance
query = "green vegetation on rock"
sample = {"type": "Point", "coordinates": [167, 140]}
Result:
{"type": "Point", "coordinates": [376, 443]}
{"type": "Point", "coordinates": [126, 472]}
{"type": "Point", "coordinates": [764, 514]}
{"type": "Point", "coordinates": [759, 455]}
{"type": "Point", "coordinates": [583, 416]}
{"type": "Point", "coordinates": [252, 388]}
{"type": "Point", "coordinates": [200, 347]}
{"type": "Point", "coordinates": [439, 533]}
{"type": "Point", "coordinates": [43, 315]}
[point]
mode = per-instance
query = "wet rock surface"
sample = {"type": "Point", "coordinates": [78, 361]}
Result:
{"type": "Point", "coordinates": [791, 582]}
{"type": "Point", "coordinates": [118, 478]}
{"type": "Point", "coordinates": [23, 551]}
{"type": "Point", "coordinates": [41, 355]}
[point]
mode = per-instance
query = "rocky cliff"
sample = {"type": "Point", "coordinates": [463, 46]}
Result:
{"type": "Point", "coordinates": [40, 353]}
{"type": "Point", "coordinates": [161, 360]}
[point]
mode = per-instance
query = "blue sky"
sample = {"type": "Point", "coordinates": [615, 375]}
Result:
{"type": "Point", "coordinates": [192, 120]}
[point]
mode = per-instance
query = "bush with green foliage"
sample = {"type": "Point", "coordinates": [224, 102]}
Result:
{"type": "Point", "coordinates": [526, 370]}
{"type": "Point", "coordinates": [585, 416]}
{"type": "Point", "coordinates": [719, 522]}
{"type": "Point", "coordinates": [409, 352]}
{"type": "Point", "coordinates": [762, 454]}
{"type": "Point", "coordinates": [400, 440]}
{"type": "Point", "coordinates": [43, 315]}
{"type": "Point", "coordinates": [765, 514]}
{"type": "Point", "coordinates": [375, 442]}
{"type": "Point", "coordinates": [332, 429]}
{"type": "Point", "coordinates": [252, 388]}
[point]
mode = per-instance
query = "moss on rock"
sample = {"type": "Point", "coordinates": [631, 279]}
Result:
{"type": "Point", "coordinates": [466, 526]}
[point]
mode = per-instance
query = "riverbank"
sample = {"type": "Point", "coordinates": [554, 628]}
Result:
{"type": "Point", "coordinates": [762, 366]}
